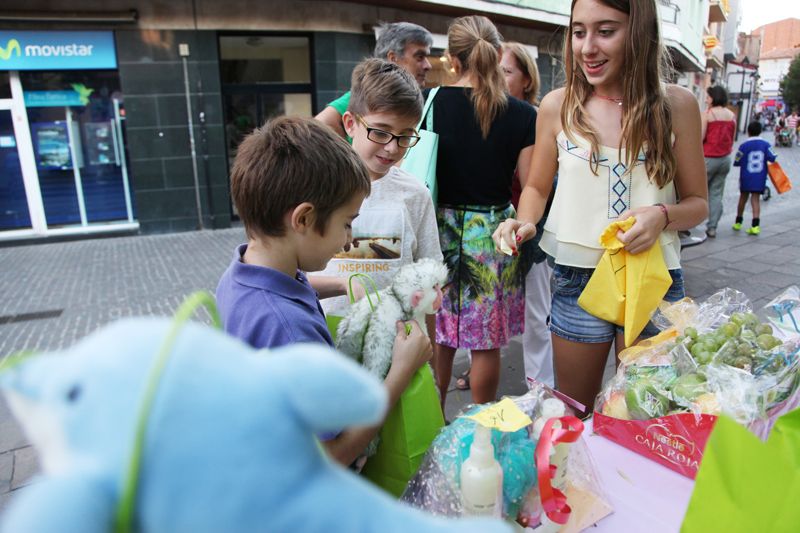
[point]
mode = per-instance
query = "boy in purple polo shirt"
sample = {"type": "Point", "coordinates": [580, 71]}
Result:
{"type": "Point", "coordinates": [297, 188]}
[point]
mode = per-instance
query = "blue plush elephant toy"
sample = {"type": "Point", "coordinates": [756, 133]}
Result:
{"type": "Point", "coordinates": [146, 427]}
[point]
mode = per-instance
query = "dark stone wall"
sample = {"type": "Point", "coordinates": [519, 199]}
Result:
{"type": "Point", "coordinates": [159, 150]}
{"type": "Point", "coordinates": [151, 75]}
{"type": "Point", "coordinates": [335, 57]}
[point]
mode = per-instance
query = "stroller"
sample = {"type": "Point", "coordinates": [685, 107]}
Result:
{"type": "Point", "coordinates": [783, 137]}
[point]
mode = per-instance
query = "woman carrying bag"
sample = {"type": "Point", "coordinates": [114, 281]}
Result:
{"type": "Point", "coordinates": [483, 136]}
{"type": "Point", "coordinates": [719, 131]}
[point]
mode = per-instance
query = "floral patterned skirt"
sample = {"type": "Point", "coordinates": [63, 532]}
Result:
{"type": "Point", "coordinates": [484, 301]}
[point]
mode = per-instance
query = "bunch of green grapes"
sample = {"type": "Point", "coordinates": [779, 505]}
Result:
{"type": "Point", "coordinates": [742, 342]}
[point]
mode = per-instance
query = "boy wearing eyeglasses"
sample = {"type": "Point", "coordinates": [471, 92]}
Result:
{"type": "Point", "coordinates": [397, 222]}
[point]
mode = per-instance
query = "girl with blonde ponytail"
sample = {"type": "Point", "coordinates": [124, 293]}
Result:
{"type": "Point", "coordinates": [624, 143]}
{"type": "Point", "coordinates": [472, 44]}
{"type": "Point", "coordinates": [483, 135]}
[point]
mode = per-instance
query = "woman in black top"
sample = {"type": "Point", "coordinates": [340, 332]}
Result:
{"type": "Point", "coordinates": [483, 136]}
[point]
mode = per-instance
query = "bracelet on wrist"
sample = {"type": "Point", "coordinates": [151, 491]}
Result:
{"type": "Point", "coordinates": [666, 214]}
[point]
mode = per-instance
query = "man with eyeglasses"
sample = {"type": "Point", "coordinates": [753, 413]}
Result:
{"type": "Point", "coordinates": [404, 43]}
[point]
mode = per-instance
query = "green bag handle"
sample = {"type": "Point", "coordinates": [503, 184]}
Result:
{"type": "Point", "coordinates": [123, 522]}
{"type": "Point", "coordinates": [372, 286]}
{"type": "Point", "coordinates": [369, 299]}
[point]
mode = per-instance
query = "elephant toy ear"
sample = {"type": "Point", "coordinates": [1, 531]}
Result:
{"type": "Point", "coordinates": [327, 390]}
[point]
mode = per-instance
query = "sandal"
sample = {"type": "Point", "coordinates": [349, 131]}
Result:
{"type": "Point", "coordinates": [462, 382]}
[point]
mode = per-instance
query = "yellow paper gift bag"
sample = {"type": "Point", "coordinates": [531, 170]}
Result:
{"type": "Point", "coordinates": [626, 288]}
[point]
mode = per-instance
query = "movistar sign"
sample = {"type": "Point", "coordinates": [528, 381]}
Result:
{"type": "Point", "coordinates": [57, 50]}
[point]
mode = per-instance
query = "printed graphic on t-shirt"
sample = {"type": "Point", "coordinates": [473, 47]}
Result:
{"type": "Point", "coordinates": [377, 235]}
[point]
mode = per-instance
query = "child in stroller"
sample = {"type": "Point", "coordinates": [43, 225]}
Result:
{"type": "Point", "coordinates": [783, 136]}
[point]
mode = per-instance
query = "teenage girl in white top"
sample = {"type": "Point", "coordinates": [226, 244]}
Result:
{"type": "Point", "coordinates": [621, 141]}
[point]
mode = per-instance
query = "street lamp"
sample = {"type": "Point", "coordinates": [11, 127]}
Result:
{"type": "Point", "coordinates": [742, 73]}
{"type": "Point", "coordinates": [753, 81]}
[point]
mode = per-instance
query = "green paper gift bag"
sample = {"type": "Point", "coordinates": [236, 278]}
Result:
{"type": "Point", "coordinates": [410, 426]}
{"type": "Point", "coordinates": [407, 434]}
{"type": "Point", "coordinates": [332, 322]}
{"type": "Point", "coordinates": [747, 485]}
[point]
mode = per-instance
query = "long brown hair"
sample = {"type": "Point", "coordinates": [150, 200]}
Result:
{"type": "Point", "coordinates": [476, 43]}
{"type": "Point", "coordinates": [528, 67]}
{"type": "Point", "coordinates": [646, 117]}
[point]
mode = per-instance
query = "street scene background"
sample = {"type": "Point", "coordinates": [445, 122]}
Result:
{"type": "Point", "coordinates": [54, 294]}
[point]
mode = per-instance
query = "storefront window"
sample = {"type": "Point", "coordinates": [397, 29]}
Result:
{"type": "Point", "coordinates": [76, 123]}
{"type": "Point", "coordinates": [5, 85]}
{"type": "Point", "coordinates": [264, 59]}
{"type": "Point", "coordinates": [13, 203]}
{"type": "Point", "coordinates": [263, 76]}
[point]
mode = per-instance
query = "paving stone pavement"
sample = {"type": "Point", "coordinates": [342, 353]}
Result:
{"type": "Point", "coordinates": [85, 284]}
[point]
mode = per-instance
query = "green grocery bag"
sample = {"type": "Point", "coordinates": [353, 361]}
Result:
{"type": "Point", "coordinates": [407, 434]}
{"type": "Point", "coordinates": [420, 161]}
{"type": "Point", "coordinates": [747, 485]}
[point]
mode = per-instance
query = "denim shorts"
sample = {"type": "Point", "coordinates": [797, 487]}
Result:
{"type": "Point", "coordinates": [569, 321]}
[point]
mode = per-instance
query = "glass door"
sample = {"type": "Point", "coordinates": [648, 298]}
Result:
{"type": "Point", "coordinates": [263, 76]}
{"type": "Point", "coordinates": [78, 142]}
{"type": "Point", "coordinates": [14, 212]}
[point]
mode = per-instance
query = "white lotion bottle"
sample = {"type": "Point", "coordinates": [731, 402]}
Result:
{"type": "Point", "coordinates": [482, 477]}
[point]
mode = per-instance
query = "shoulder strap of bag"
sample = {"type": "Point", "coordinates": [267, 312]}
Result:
{"type": "Point", "coordinates": [425, 114]}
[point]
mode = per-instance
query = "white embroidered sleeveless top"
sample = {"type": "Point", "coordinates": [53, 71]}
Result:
{"type": "Point", "coordinates": [584, 204]}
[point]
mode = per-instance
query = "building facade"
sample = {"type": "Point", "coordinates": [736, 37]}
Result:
{"type": "Point", "coordinates": [683, 26]}
{"type": "Point", "coordinates": [142, 141]}
{"type": "Point", "coordinates": [780, 44]}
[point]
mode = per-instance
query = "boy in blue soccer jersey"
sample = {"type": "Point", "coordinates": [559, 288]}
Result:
{"type": "Point", "coordinates": [752, 159]}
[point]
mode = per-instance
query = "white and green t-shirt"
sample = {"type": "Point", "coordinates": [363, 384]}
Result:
{"type": "Point", "coordinates": [396, 226]}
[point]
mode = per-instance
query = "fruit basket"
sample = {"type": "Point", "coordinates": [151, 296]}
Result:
{"type": "Point", "coordinates": [710, 358]}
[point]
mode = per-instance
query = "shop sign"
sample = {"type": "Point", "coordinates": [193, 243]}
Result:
{"type": "Point", "coordinates": [78, 96]}
{"type": "Point", "coordinates": [57, 50]}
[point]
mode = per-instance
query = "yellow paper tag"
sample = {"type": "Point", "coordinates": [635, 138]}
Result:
{"type": "Point", "coordinates": [504, 416]}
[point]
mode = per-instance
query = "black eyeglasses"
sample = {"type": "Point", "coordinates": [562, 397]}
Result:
{"type": "Point", "coordinates": [384, 137]}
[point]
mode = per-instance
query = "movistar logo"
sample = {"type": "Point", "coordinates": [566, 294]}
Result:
{"type": "Point", "coordinates": [45, 50]}
{"type": "Point", "coordinates": [11, 46]}
{"type": "Point", "coordinates": [83, 92]}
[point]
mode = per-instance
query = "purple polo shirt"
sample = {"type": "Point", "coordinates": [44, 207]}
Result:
{"type": "Point", "coordinates": [266, 308]}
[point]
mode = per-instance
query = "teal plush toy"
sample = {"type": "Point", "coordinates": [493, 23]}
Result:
{"type": "Point", "coordinates": [151, 427]}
